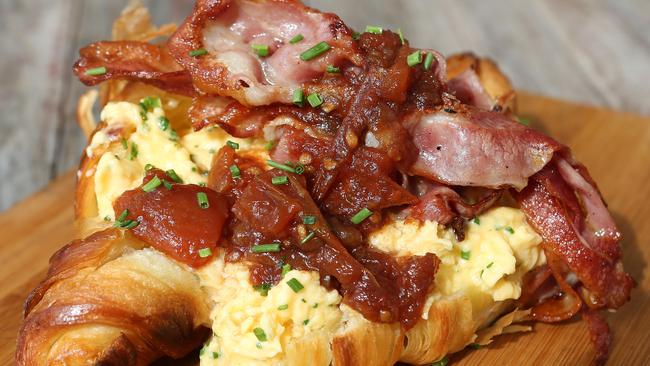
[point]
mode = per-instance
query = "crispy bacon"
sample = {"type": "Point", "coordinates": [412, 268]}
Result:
{"type": "Point", "coordinates": [228, 29]}
{"type": "Point", "coordinates": [133, 60]}
{"type": "Point", "coordinates": [551, 210]}
{"type": "Point", "coordinates": [472, 147]}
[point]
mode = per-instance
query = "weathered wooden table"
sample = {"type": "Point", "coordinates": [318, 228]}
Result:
{"type": "Point", "coordinates": [593, 51]}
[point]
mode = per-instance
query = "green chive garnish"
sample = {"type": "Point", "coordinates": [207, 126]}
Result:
{"type": "Point", "coordinates": [263, 289]}
{"type": "Point", "coordinates": [297, 38]}
{"type": "Point", "coordinates": [305, 322]}
{"type": "Point", "coordinates": [148, 167]}
{"type": "Point", "coordinates": [361, 215]}
{"type": "Point", "coordinates": [314, 100]}
{"type": "Point", "coordinates": [414, 59]}
{"type": "Point", "coordinates": [309, 220]}
{"type": "Point", "coordinates": [333, 69]}
{"type": "Point", "coordinates": [232, 144]}
{"type": "Point", "coordinates": [125, 145]}
{"type": "Point", "coordinates": [315, 51]}
{"type": "Point", "coordinates": [284, 167]}
{"type": "Point", "coordinates": [356, 36]}
{"type": "Point", "coordinates": [476, 220]}
{"type": "Point", "coordinates": [134, 151]}
{"type": "Point", "coordinates": [198, 52]}
{"type": "Point", "coordinates": [202, 199]}
{"type": "Point", "coordinates": [299, 169]}
{"type": "Point", "coordinates": [308, 237]}
{"type": "Point", "coordinates": [163, 123]}
{"type": "Point", "coordinates": [259, 333]}
{"type": "Point", "coordinates": [149, 103]}
{"type": "Point", "coordinates": [123, 215]}
{"type": "Point", "coordinates": [171, 173]}
{"type": "Point", "coordinates": [261, 50]}
{"type": "Point", "coordinates": [266, 248]}
{"type": "Point", "coordinates": [151, 185]}
{"type": "Point", "coordinates": [234, 171]}
{"type": "Point", "coordinates": [295, 285]}
{"type": "Point", "coordinates": [167, 185]}
{"type": "Point", "coordinates": [465, 254]}
{"type": "Point", "coordinates": [269, 145]}
{"type": "Point", "coordinates": [215, 355]}
{"type": "Point", "coordinates": [474, 346]}
{"type": "Point", "coordinates": [205, 252]}
{"type": "Point", "coordinates": [490, 265]}
{"type": "Point", "coordinates": [285, 269]}
{"type": "Point", "coordinates": [96, 71]}
{"type": "Point", "coordinates": [131, 224]}
{"type": "Point", "coordinates": [428, 61]}
{"type": "Point", "coordinates": [401, 36]}
{"type": "Point", "coordinates": [523, 121]}
{"type": "Point", "coordinates": [509, 229]}
{"type": "Point", "coordinates": [298, 97]}
{"type": "Point", "coordinates": [283, 179]}
{"type": "Point", "coordinates": [374, 29]}
{"type": "Point", "coordinates": [283, 307]}
{"type": "Point", "coordinates": [442, 362]}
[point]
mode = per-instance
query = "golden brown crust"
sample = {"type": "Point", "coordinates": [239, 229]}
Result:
{"type": "Point", "coordinates": [103, 289]}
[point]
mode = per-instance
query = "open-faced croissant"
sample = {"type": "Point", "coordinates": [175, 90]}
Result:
{"type": "Point", "coordinates": [281, 190]}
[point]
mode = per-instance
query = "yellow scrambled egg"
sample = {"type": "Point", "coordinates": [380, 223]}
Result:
{"type": "Point", "coordinates": [250, 328]}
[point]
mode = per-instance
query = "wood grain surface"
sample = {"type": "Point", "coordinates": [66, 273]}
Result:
{"type": "Point", "coordinates": [593, 51]}
{"type": "Point", "coordinates": [614, 146]}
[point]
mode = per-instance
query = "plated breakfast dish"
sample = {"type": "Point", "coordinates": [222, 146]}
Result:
{"type": "Point", "coordinates": [271, 187]}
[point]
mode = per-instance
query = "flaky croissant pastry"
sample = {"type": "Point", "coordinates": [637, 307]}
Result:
{"type": "Point", "coordinates": [273, 188]}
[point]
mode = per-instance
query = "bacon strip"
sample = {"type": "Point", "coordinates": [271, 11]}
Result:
{"type": "Point", "coordinates": [472, 147]}
{"type": "Point", "coordinates": [551, 215]}
{"type": "Point", "coordinates": [468, 89]}
{"type": "Point", "coordinates": [133, 60]}
{"type": "Point", "coordinates": [227, 29]}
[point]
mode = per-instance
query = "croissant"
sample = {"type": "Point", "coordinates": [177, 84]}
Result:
{"type": "Point", "coordinates": [215, 215]}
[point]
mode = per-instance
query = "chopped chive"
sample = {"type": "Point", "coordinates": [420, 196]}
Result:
{"type": "Point", "coordinates": [285, 269]}
{"type": "Point", "coordinates": [401, 36]}
{"type": "Point", "coordinates": [131, 224]}
{"type": "Point", "coordinates": [266, 248]}
{"type": "Point", "coordinates": [173, 135]}
{"type": "Point", "coordinates": [202, 184]}
{"type": "Point", "coordinates": [449, 110]}
{"type": "Point", "coordinates": [474, 346]}
{"type": "Point", "coordinates": [490, 265]}
{"type": "Point", "coordinates": [96, 71]}
{"type": "Point", "coordinates": [509, 229]}
{"type": "Point", "coordinates": [149, 103]}
{"type": "Point", "coordinates": [309, 220]}
{"type": "Point", "coordinates": [305, 322]}
{"type": "Point", "coordinates": [523, 121]}
{"type": "Point", "coordinates": [428, 60]}
{"type": "Point", "coordinates": [303, 300]}
{"type": "Point", "coordinates": [268, 146]}
{"type": "Point", "coordinates": [298, 97]}
{"type": "Point", "coordinates": [215, 355]}
{"type": "Point", "coordinates": [308, 237]}
{"type": "Point", "coordinates": [361, 215]}
{"type": "Point", "coordinates": [198, 52]}
{"type": "Point", "coordinates": [261, 50]}
{"type": "Point", "coordinates": [315, 305]}
{"type": "Point", "coordinates": [299, 169]}
{"type": "Point", "coordinates": [476, 220]}
{"type": "Point", "coordinates": [151, 185]}
{"type": "Point", "coordinates": [442, 362]}
{"type": "Point", "coordinates": [283, 307]}
{"type": "Point", "coordinates": [295, 285]}
{"type": "Point", "coordinates": [171, 173]}
{"type": "Point", "coordinates": [333, 69]}
{"type": "Point", "coordinates": [315, 51]}
{"type": "Point", "coordinates": [205, 252]}
{"type": "Point", "coordinates": [284, 167]}
{"type": "Point", "coordinates": [202, 199]}
{"type": "Point", "coordinates": [134, 151]}
{"type": "Point", "coordinates": [414, 58]}
{"type": "Point", "coordinates": [234, 171]}
{"type": "Point", "coordinates": [283, 179]}
{"type": "Point", "coordinates": [167, 185]}
{"type": "Point", "coordinates": [263, 289]}
{"type": "Point", "coordinates": [107, 218]}
{"type": "Point", "coordinates": [125, 145]}
{"type": "Point", "coordinates": [465, 254]}
{"type": "Point", "coordinates": [374, 29]}
{"type": "Point", "coordinates": [163, 123]}
{"type": "Point", "coordinates": [314, 100]}
{"type": "Point", "coordinates": [297, 38]}
{"type": "Point", "coordinates": [259, 333]}
{"type": "Point", "coordinates": [356, 36]}
{"type": "Point", "coordinates": [232, 144]}
{"type": "Point", "coordinates": [123, 215]}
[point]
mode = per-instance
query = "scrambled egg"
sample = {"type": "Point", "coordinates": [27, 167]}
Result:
{"type": "Point", "coordinates": [255, 328]}
{"type": "Point", "coordinates": [252, 327]}
{"type": "Point", "coordinates": [133, 138]}
{"type": "Point", "coordinates": [488, 266]}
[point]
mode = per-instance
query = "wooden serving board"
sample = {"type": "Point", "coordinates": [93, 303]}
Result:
{"type": "Point", "coordinates": [614, 146]}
